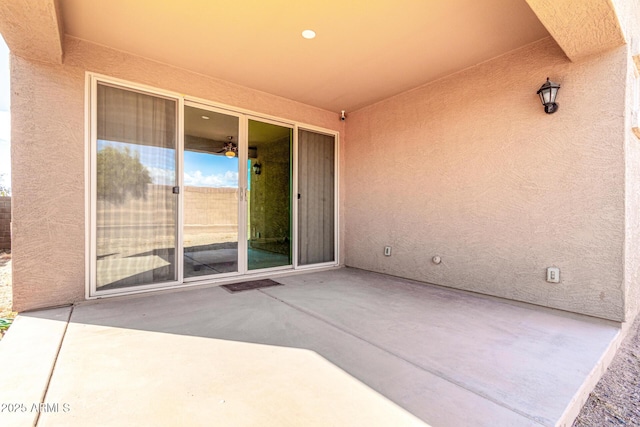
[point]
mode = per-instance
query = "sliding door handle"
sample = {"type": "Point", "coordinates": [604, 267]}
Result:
{"type": "Point", "coordinates": [242, 194]}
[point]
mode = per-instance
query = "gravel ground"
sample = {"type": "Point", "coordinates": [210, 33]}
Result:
{"type": "Point", "coordinates": [614, 402]}
{"type": "Point", "coordinates": [616, 399]}
{"type": "Point", "coordinates": [5, 288]}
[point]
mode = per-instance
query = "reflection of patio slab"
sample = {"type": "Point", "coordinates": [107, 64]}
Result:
{"type": "Point", "coordinates": [215, 256]}
{"type": "Point", "coordinates": [224, 260]}
{"type": "Point", "coordinates": [263, 259]}
{"type": "Point", "coordinates": [211, 261]}
{"type": "Point", "coordinates": [111, 270]}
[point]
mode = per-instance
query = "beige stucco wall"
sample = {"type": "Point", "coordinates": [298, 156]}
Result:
{"type": "Point", "coordinates": [468, 168]}
{"type": "Point", "coordinates": [471, 169]}
{"type": "Point", "coordinates": [632, 209]}
{"type": "Point", "coordinates": [629, 12]}
{"type": "Point", "coordinates": [48, 157]}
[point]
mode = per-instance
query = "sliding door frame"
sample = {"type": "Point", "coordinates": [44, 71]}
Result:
{"type": "Point", "coordinates": [91, 216]}
{"type": "Point", "coordinates": [91, 291]}
{"type": "Point", "coordinates": [291, 126]}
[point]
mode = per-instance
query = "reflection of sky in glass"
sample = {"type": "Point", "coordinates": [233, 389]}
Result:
{"type": "Point", "coordinates": [208, 170]}
{"type": "Point", "coordinates": [200, 169]}
{"type": "Point", "coordinates": [159, 161]}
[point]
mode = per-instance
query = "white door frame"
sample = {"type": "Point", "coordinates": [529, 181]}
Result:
{"type": "Point", "coordinates": [336, 198]}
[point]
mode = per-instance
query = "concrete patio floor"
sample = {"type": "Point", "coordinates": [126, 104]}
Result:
{"type": "Point", "coordinates": [342, 347]}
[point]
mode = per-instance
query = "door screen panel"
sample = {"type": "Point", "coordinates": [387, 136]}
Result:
{"type": "Point", "coordinates": [316, 204]}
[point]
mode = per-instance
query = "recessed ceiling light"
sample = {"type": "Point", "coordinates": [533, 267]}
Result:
{"type": "Point", "coordinates": [309, 34]}
{"type": "Point", "coordinates": [205, 117]}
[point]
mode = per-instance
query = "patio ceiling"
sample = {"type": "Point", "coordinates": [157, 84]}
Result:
{"type": "Point", "coordinates": [364, 51]}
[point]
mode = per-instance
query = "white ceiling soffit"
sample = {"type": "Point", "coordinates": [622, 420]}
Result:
{"type": "Point", "coordinates": [364, 51]}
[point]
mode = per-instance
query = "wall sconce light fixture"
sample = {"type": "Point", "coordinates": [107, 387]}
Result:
{"type": "Point", "coordinates": [548, 92]}
{"type": "Point", "coordinates": [257, 168]}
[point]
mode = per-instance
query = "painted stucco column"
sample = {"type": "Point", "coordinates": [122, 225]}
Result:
{"type": "Point", "coordinates": [33, 29]}
{"type": "Point", "coordinates": [581, 28]}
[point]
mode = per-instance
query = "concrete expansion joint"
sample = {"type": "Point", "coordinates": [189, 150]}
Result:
{"type": "Point", "coordinates": [435, 372]}
{"type": "Point", "coordinates": [53, 365]}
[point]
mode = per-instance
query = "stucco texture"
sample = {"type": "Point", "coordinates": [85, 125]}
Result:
{"type": "Point", "coordinates": [629, 13]}
{"type": "Point", "coordinates": [38, 37]}
{"type": "Point", "coordinates": [48, 157]}
{"type": "Point", "coordinates": [632, 247]}
{"type": "Point", "coordinates": [471, 169]}
{"type": "Point", "coordinates": [581, 28]}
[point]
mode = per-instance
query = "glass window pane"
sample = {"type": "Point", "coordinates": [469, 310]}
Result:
{"type": "Point", "coordinates": [210, 193]}
{"type": "Point", "coordinates": [136, 172]}
{"type": "Point", "coordinates": [269, 196]}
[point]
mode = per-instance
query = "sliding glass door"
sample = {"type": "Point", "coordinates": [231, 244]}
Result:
{"type": "Point", "coordinates": [210, 193]}
{"type": "Point", "coordinates": [186, 192]}
{"type": "Point", "coordinates": [136, 210]}
{"type": "Point", "coordinates": [269, 179]}
{"type": "Point", "coordinates": [216, 197]}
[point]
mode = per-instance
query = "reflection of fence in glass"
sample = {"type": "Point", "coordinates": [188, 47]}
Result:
{"type": "Point", "coordinates": [135, 219]}
{"type": "Point", "coordinates": [210, 216]}
{"type": "Point", "coordinates": [136, 237]}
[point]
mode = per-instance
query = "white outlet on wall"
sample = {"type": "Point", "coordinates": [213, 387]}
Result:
{"type": "Point", "coordinates": [553, 275]}
{"type": "Point", "coordinates": [387, 251]}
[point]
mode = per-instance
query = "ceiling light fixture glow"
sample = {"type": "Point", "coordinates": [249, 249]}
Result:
{"type": "Point", "coordinates": [309, 34]}
{"type": "Point", "coordinates": [230, 149]}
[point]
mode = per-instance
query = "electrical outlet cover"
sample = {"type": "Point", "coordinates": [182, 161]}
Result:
{"type": "Point", "coordinates": [553, 275]}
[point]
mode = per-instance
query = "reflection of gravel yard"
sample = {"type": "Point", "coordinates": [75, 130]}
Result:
{"type": "Point", "coordinates": [6, 315]}
{"type": "Point", "coordinates": [193, 237]}
{"type": "Point", "coordinates": [121, 244]}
